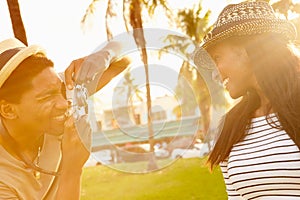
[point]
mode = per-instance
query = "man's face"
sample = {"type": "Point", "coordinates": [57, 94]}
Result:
{"type": "Point", "coordinates": [42, 109]}
{"type": "Point", "coordinates": [233, 64]}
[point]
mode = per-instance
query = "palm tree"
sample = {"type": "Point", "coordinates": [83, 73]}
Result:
{"type": "Point", "coordinates": [287, 7]}
{"type": "Point", "coordinates": [192, 25]}
{"type": "Point", "coordinates": [138, 34]}
{"type": "Point", "coordinates": [16, 21]}
{"type": "Point", "coordinates": [132, 91]}
{"type": "Point", "coordinates": [132, 15]}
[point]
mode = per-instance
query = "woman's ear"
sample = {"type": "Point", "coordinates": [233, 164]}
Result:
{"type": "Point", "coordinates": [7, 110]}
{"type": "Point", "coordinates": [243, 55]}
{"type": "Point", "coordinates": [243, 52]}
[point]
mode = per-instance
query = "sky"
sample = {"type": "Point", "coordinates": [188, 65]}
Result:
{"type": "Point", "coordinates": [56, 26]}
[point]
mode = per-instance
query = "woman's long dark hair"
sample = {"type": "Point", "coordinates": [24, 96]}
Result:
{"type": "Point", "coordinates": [276, 68]}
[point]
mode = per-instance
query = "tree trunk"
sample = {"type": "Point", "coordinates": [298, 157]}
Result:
{"type": "Point", "coordinates": [16, 21]}
{"type": "Point", "coordinates": [137, 25]}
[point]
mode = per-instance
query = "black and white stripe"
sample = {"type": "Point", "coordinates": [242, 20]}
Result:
{"type": "Point", "coordinates": [265, 165]}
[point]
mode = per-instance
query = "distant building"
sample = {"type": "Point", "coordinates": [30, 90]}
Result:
{"type": "Point", "coordinates": [110, 117]}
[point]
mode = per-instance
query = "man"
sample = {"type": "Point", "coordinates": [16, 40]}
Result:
{"type": "Point", "coordinates": [42, 153]}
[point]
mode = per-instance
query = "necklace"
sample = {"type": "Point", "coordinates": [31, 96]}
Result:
{"type": "Point", "coordinates": [12, 146]}
{"type": "Point", "coordinates": [37, 174]}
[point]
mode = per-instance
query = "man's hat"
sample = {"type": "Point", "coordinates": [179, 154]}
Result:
{"type": "Point", "coordinates": [12, 53]}
{"type": "Point", "coordinates": [248, 18]}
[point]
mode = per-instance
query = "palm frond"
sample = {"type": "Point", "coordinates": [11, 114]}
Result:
{"type": "Point", "coordinates": [109, 14]}
{"type": "Point", "coordinates": [89, 11]}
{"type": "Point", "coordinates": [126, 9]}
{"type": "Point", "coordinates": [296, 8]}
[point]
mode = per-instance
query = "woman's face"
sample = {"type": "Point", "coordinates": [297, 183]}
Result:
{"type": "Point", "coordinates": [234, 68]}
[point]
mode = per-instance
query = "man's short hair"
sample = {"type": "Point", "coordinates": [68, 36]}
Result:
{"type": "Point", "coordinates": [21, 78]}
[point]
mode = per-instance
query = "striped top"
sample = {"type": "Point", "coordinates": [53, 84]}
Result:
{"type": "Point", "coordinates": [264, 166]}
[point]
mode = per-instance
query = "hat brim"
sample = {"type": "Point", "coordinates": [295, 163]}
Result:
{"type": "Point", "coordinates": [286, 29]}
{"type": "Point", "coordinates": [202, 59]}
{"type": "Point", "coordinates": [17, 59]}
{"type": "Point", "coordinates": [259, 26]}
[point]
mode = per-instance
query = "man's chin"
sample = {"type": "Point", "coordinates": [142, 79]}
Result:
{"type": "Point", "coordinates": [56, 131]}
{"type": "Point", "coordinates": [234, 95]}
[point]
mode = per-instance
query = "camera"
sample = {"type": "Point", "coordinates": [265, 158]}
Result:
{"type": "Point", "coordinates": [78, 99]}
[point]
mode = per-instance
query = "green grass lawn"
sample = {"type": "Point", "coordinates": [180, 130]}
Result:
{"type": "Point", "coordinates": [184, 179]}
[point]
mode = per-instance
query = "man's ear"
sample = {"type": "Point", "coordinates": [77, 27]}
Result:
{"type": "Point", "coordinates": [7, 110]}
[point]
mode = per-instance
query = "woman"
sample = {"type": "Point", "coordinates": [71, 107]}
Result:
{"type": "Point", "coordinates": [258, 145]}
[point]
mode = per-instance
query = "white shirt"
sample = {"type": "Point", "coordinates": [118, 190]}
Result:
{"type": "Point", "coordinates": [264, 166]}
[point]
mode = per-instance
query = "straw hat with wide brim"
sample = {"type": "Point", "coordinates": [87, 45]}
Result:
{"type": "Point", "coordinates": [242, 19]}
{"type": "Point", "coordinates": [248, 18]}
{"type": "Point", "coordinates": [12, 53]}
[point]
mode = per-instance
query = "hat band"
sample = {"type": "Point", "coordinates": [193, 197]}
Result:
{"type": "Point", "coordinates": [7, 55]}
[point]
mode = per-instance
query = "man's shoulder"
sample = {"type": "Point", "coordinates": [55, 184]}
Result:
{"type": "Point", "coordinates": [15, 179]}
{"type": "Point", "coordinates": [7, 192]}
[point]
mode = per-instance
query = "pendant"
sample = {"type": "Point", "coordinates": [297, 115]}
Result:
{"type": "Point", "coordinates": [37, 175]}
